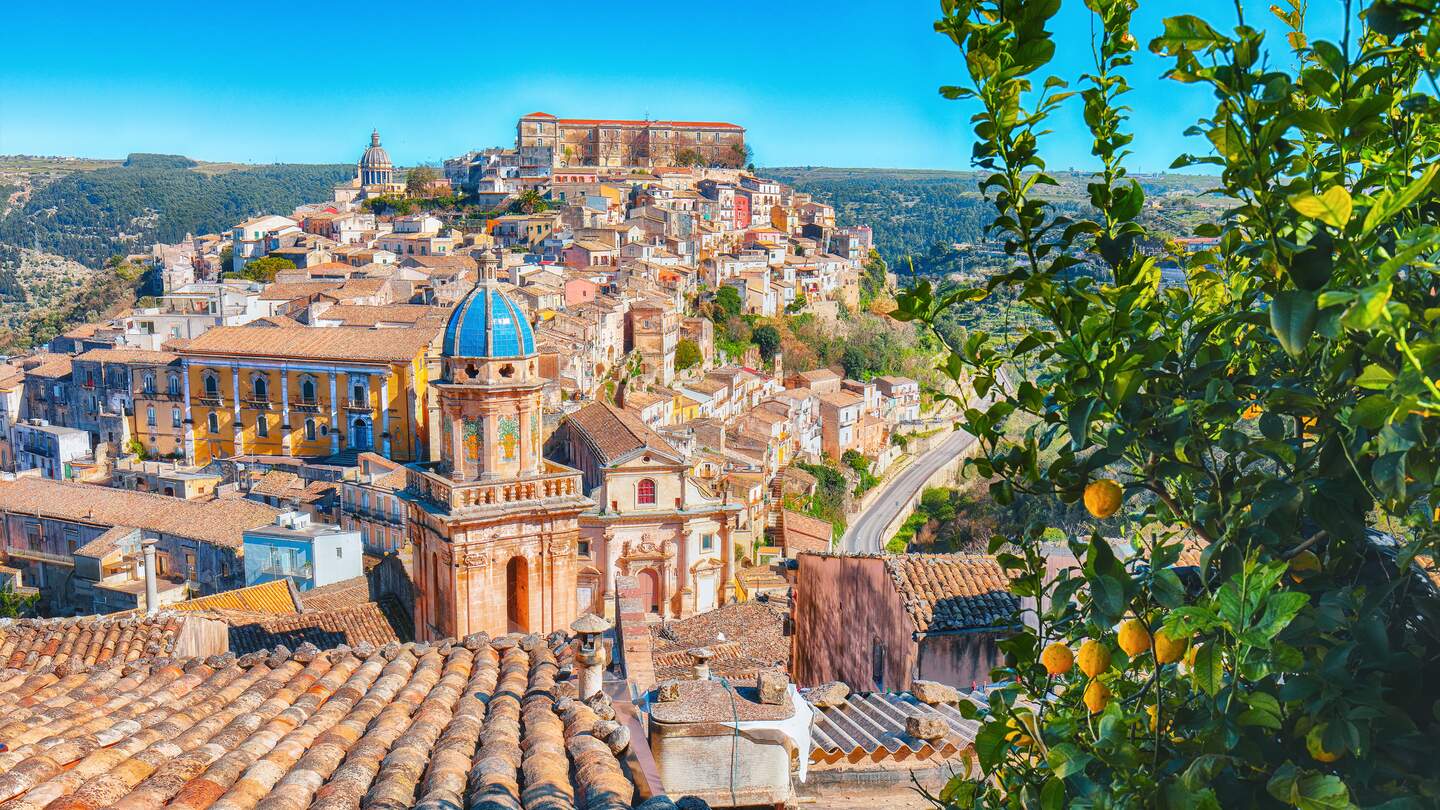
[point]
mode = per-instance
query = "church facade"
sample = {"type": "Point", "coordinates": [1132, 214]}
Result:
{"type": "Point", "coordinates": [494, 524]}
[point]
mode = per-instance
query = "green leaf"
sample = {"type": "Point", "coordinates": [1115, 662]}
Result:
{"type": "Point", "coordinates": [1375, 378]}
{"type": "Point", "coordinates": [1209, 671]}
{"type": "Point", "coordinates": [1067, 759]}
{"type": "Point", "coordinates": [991, 745]}
{"type": "Point", "coordinates": [1292, 319]}
{"type": "Point", "coordinates": [1372, 411]}
{"type": "Point", "coordinates": [1308, 790]}
{"type": "Point", "coordinates": [1052, 796]}
{"type": "Point", "coordinates": [1332, 207]}
{"type": "Point", "coordinates": [1388, 203]}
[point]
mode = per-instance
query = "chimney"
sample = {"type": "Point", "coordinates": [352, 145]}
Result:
{"type": "Point", "coordinates": [152, 593]}
{"type": "Point", "coordinates": [701, 657]}
{"type": "Point", "coordinates": [590, 656]}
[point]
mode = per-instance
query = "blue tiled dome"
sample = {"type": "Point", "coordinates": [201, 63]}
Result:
{"type": "Point", "coordinates": [487, 324]}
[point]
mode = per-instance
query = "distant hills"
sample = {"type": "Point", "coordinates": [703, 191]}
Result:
{"type": "Point", "coordinates": [90, 211]}
{"type": "Point", "coordinates": [921, 212]}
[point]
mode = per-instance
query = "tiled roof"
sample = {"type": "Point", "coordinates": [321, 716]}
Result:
{"type": "Point", "coordinates": [128, 356]}
{"type": "Point", "coordinates": [614, 434]}
{"type": "Point", "coordinates": [276, 596]}
{"type": "Point", "coordinates": [800, 532]}
{"type": "Point", "coordinates": [399, 345]}
{"type": "Point", "coordinates": [478, 724]}
{"type": "Point", "coordinates": [754, 641]}
{"type": "Point", "coordinates": [52, 367]}
{"type": "Point", "coordinates": [364, 623]}
{"type": "Point", "coordinates": [346, 593]}
{"type": "Point", "coordinates": [368, 315]}
{"type": "Point", "coordinates": [220, 522]}
{"type": "Point", "coordinates": [952, 591]}
{"type": "Point", "coordinates": [870, 727]}
{"type": "Point", "coordinates": [289, 291]}
{"type": "Point", "coordinates": [41, 645]}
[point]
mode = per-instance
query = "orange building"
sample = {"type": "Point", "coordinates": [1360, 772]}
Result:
{"type": "Point", "coordinates": [306, 392]}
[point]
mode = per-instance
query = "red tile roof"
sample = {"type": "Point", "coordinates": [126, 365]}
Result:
{"type": "Point", "coordinates": [952, 591]}
{"type": "Point", "coordinates": [614, 434]}
{"type": "Point", "coordinates": [399, 345]}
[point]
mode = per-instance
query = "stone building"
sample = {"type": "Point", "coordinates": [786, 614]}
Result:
{"type": "Point", "coordinates": [304, 392]}
{"type": "Point", "coordinates": [492, 522]}
{"type": "Point", "coordinates": [882, 622]}
{"type": "Point", "coordinates": [653, 519]}
{"type": "Point", "coordinates": [611, 142]}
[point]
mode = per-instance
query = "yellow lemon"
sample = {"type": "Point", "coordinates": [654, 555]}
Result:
{"type": "Point", "coordinates": [1168, 650]}
{"type": "Point", "coordinates": [1096, 697]}
{"type": "Point", "coordinates": [1252, 412]}
{"type": "Point", "coordinates": [1094, 658]}
{"type": "Point", "coordinates": [1102, 497]}
{"type": "Point", "coordinates": [1315, 744]}
{"type": "Point", "coordinates": [1017, 735]}
{"type": "Point", "coordinates": [1134, 637]}
{"type": "Point", "coordinates": [1057, 658]}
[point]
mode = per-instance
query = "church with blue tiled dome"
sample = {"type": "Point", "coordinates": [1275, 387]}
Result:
{"type": "Point", "coordinates": [488, 324]}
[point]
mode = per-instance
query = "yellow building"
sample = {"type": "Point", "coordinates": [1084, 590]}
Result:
{"type": "Point", "coordinates": [306, 392]}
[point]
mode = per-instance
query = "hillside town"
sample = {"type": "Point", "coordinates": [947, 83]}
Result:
{"type": "Point", "coordinates": [349, 446]}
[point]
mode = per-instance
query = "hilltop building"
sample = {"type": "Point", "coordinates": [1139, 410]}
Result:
{"type": "Point", "coordinates": [555, 142]}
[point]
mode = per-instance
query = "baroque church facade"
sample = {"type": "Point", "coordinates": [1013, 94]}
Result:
{"type": "Point", "coordinates": [494, 524]}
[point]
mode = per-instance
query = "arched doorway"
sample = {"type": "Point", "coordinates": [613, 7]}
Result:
{"type": "Point", "coordinates": [360, 434]}
{"type": "Point", "coordinates": [650, 590]}
{"type": "Point", "coordinates": [517, 595]}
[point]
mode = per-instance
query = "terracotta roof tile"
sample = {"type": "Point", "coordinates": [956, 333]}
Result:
{"type": "Point", "coordinates": [364, 623]}
{"type": "Point", "coordinates": [472, 724]}
{"type": "Point", "coordinates": [952, 591]}
{"type": "Point", "coordinates": [614, 434]}
{"type": "Point", "coordinates": [276, 596]}
{"type": "Point", "coordinates": [800, 532]}
{"type": "Point", "coordinates": [754, 641]}
{"type": "Point", "coordinates": [398, 345]}
{"type": "Point", "coordinates": [220, 522]}
{"type": "Point", "coordinates": [128, 356]}
{"type": "Point", "coordinates": [343, 594]}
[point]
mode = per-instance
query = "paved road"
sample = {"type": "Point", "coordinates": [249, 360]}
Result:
{"type": "Point", "coordinates": [864, 534]}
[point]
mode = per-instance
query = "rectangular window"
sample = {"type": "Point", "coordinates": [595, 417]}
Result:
{"type": "Point", "coordinates": [707, 542]}
{"type": "Point", "coordinates": [583, 548]}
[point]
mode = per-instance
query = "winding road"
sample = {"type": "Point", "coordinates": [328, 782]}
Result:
{"type": "Point", "coordinates": [864, 535]}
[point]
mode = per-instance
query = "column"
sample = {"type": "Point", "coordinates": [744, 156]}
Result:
{"type": "Point", "coordinates": [189, 423]}
{"type": "Point", "coordinates": [285, 409]}
{"type": "Point", "coordinates": [335, 422]}
{"type": "Point", "coordinates": [727, 551]}
{"type": "Point", "coordinates": [385, 412]}
{"type": "Point", "coordinates": [235, 407]}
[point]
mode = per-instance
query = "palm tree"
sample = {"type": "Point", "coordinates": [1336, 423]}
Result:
{"type": "Point", "coordinates": [531, 201]}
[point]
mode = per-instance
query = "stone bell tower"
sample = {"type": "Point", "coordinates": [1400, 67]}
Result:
{"type": "Point", "coordinates": [494, 524]}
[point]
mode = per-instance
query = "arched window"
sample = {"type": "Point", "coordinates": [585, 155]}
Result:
{"type": "Point", "coordinates": [212, 384]}
{"type": "Point", "coordinates": [645, 492]}
{"type": "Point", "coordinates": [307, 391]}
{"type": "Point", "coordinates": [175, 417]}
{"type": "Point", "coordinates": [261, 388]}
{"type": "Point", "coordinates": [149, 383]}
{"type": "Point", "coordinates": [150, 415]}
{"type": "Point", "coordinates": [213, 422]}
{"type": "Point", "coordinates": [309, 430]}
{"type": "Point", "coordinates": [174, 385]}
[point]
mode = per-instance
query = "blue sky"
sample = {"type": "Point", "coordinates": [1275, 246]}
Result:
{"type": "Point", "coordinates": [837, 83]}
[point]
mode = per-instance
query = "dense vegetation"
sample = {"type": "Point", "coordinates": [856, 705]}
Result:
{"type": "Point", "coordinates": [90, 216]}
{"type": "Point", "coordinates": [1250, 624]}
{"type": "Point", "coordinates": [921, 214]}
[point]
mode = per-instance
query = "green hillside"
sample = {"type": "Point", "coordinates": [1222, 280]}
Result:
{"type": "Point", "coordinates": [921, 212]}
{"type": "Point", "coordinates": [92, 214]}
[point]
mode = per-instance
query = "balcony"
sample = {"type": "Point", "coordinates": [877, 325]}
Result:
{"type": "Point", "coordinates": [256, 404]}
{"type": "Point", "coordinates": [355, 406]}
{"type": "Point", "coordinates": [308, 406]}
{"type": "Point", "coordinates": [555, 481]}
{"type": "Point", "coordinates": [210, 402]}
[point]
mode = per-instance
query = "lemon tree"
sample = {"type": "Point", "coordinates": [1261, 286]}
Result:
{"type": "Point", "coordinates": [1250, 622]}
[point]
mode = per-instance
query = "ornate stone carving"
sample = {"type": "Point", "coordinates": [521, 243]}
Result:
{"type": "Point", "coordinates": [476, 558]}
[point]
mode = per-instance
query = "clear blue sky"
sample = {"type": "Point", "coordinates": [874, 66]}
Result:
{"type": "Point", "coordinates": [838, 83]}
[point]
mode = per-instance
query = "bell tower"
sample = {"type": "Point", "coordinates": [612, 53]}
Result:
{"type": "Point", "coordinates": [494, 524]}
